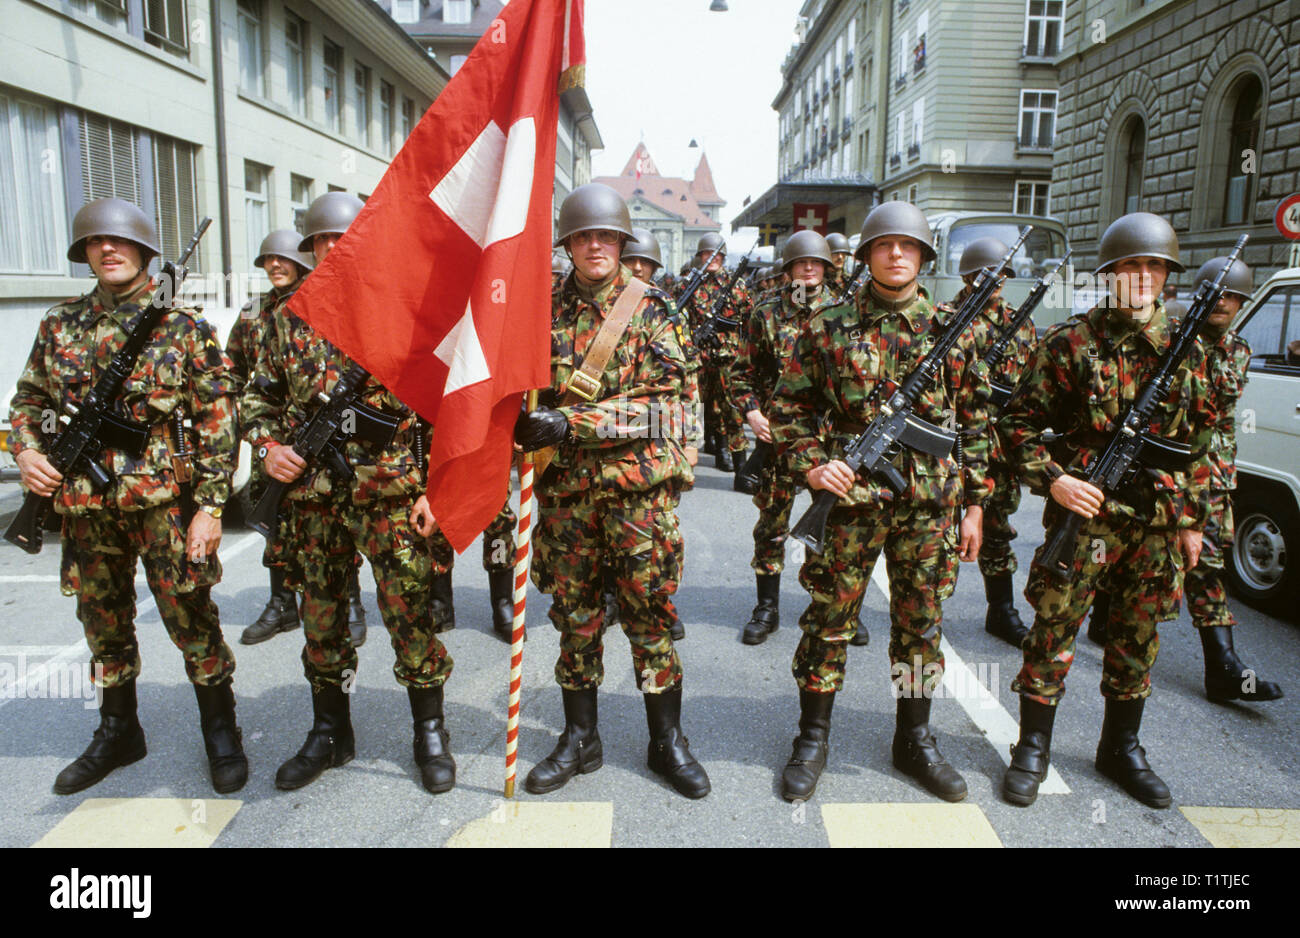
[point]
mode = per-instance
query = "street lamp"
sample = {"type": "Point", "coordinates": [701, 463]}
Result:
{"type": "Point", "coordinates": [718, 6]}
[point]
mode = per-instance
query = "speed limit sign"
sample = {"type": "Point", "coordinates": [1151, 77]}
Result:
{"type": "Point", "coordinates": [1288, 217]}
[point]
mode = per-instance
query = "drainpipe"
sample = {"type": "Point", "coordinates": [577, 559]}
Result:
{"type": "Point", "coordinates": [219, 110]}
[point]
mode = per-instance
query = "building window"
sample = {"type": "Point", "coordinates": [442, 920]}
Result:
{"type": "Point", "coordinates": [361, 103]}
{"type": "Point", "coordinates": [295, 62]}
{"type": "Point", "coordinates": [900, 126]}
{"type": "Point", "coordinates": [1044, 20]}
{"type": "Point", "coordinates": [1037, 119]}
{"type": "Point", "coordinates": [456, 11]}
{"type": "Point", "coordinates": [912, 193]}
{"type": "Point", "coordinates": [299, 198]}
{"type": "Point", "coordinates": [406, 11]}
{"type": "Point", "coordinates": [1243, 134]}
{"type": "Point", "coordinates": [456, 62]}
{"type": "Point", "coordinates": [252, 79]}
{"type": "Point", "coordinates": [112, 12]}
{"type": "Point", "coordinates": [408, 118]}
{"type": "Point", "coordinates": [1032, 198]}
{"type": "Point", "coordinates": [918, 122]}
{"type": "Point", "coordinates": [166, 25]}
{"type": "Point", "coordinates": [386, 115]}
{"type": "Point", "coordinates": [918, 48]}
{"type": "Point", "coordinates": [175, 195]}
{"type": "Point", "coordinates": [333, 85]}
{"type": "Point", "coordinates": [1135, 160]}
{"type": "Point", "coordinates": [257, 204]}
{"type": "Point", "coordinates": [904, 56]}
{"type": "Point", "coordinates": [850, 103]}
{"type": "Point", "coordinates": [108, 159]}
{"type": "Point", "coordinates": [33, 235]}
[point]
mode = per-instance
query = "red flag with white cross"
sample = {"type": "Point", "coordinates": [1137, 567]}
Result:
{"type": "Point", "coordinates": [441, 287]}
{"type": "Point", "coordinates": [812, 217]}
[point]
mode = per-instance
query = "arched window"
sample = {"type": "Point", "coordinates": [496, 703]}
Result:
{"type": "Point", "coordinates": [1135, 154]}
{"type": "Point", "coordinates": [1244, 103]}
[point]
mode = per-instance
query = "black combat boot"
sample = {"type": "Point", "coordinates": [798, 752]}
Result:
{"type": "Point", "coordinates": [861, 638]}
{"type": "Point", "coordinates": [1226, 677]}
{"type": "Point", "coordinates": [1123, 760]}
{"type": "Point", "coordinates": [1032, 755]}
{"type": "Point", "coordinates": [578, 750]}
{"type": "Point", "coordinates": [501, 586]}
{"type": "Point", "coordinates": [917, 754]}
{"type": "Point", "coordinates": [222, 738]}
{"type": "Point", "coordinates": [1002, 620]}
{"type": "Point", "coordinates": [280, 614]}
{"type": "Point", "coordinates": [743, 483]}
{"type": "Point", "coordinates": [609, 592]}
{"type": "Point", "coordinates": [118, 741]}
{"type": "Point", "coordinates": [329, 741]}
{"type": "Point", "coordinates": [1097, 621]}
{"type": "Point", "coordinates": [723, 459]}
{"type": "Point", "coordinates": [440, 602]}
{"type": "Point", "coordinates": [668, 754]}
{"type": "Point", "coordinates": [710, 443]}
{"type": "Point", "coordinates": [437, 767]}
{"type": "Point", "coordinates": [767, 614]}
{"type": "Point", "coordinates": [811, 747]}
{"type": "Point", "coordinates": [356, 612]}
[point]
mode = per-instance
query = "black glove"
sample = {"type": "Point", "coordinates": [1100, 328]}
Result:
{"type": "Point", "coordinates": [540, 428]}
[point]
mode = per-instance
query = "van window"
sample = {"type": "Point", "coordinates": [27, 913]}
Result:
{"type": "Point", "coordinates": [1038, 255]}
{"type": "Point", "coordinates": [1272, 325]}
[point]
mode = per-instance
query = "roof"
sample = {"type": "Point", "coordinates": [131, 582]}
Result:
{"type": "Point", "coordinates": [702, 185]}
{"type": "Point", "coordinates": [670, 193]}
{"type": "Point", "coordinates": [430, 24]}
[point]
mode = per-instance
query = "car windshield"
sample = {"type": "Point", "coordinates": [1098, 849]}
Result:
{"type": "Point", "coordinates": [1039, 254]}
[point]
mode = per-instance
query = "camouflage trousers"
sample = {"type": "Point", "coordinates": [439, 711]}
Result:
{"type": "Point", "coordinates": [720, 414]}
{"type": "Point", "coordinates": [1207, 597]}
{"type": "Point", "coordinates": [1141, 569]}
{"type": "Point", "coordinates": [996, 556]}
{"type": "Point", "coordinates": [99, 557]}
{"type": "Point", "coordinates": [634, 535]}
{"type": "Point", "coordinates": [774, 500]}
{"type": "Point", "coordinates": [498, 544]}
{"type": "Point", "coordinates": [326, 535]}
{"type": "Point", "coordinates": [918, 549]}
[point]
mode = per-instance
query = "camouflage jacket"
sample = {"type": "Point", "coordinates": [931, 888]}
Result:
{"type": "Point", "coordinates": [825, 398]}
{"type": "Point", "coordinates": [737, 308]}
{"type": "Point", "coordinates": [631, 437]}
{"type": "Point", "coordinates": [245, 337]}
{"type": "Point", "coordinates": [1083, 376]}
{"type": "Point", "coordinates": [1228, 364]}
{"type": "Point", "coordinates": [766, 345]}
{"type": "Point", "coordinates": [294, 365]}
{"type": "Point", "coordinates": [837, 278]}
{"type": "Point", "coordinates": [181, 371]}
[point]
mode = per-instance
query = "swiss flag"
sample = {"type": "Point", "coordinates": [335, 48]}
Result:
{"type": "Point", "coordinates": [441, 288]}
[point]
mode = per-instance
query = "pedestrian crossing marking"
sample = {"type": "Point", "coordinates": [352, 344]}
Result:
{"type": "Point", "coordinates": [908, 825]}
{"type": "Point", "coordinates": [143, 822]}
{"type": "Point", "coordinates": [539, 824]}
{"type": "Point", "coordinates": [1246, 827]}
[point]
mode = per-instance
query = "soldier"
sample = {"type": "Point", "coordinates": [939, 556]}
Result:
{"type": "Point", "coordinates": [823, 400]}
{"type": "Point", "coordinates": [607, 498]}
{"type": "Point", "coordinates": [285, 266]}
{"type": "Point", "coordinates": [838, 278]}
{"type": "Point", "coordinates": [997, 561]}
{"type": "Point", "coordinates": [769, 340]}
{"type": "Point", "coordinates": [327, 520]}
{"type": "Point", "coordinates": [1175, 309]}
{"type": "Point", "coordinates": [181, 376]}
{"type": "Point", "coordinates": [1083, 376]}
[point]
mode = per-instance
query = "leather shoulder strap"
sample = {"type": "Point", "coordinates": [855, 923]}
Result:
{"type": "Point", "coordinates": [585, 383]}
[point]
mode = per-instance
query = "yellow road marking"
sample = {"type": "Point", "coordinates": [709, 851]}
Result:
{"type": "Point", "coordinates": [1247, 827]}
{"type": "Point", "coordinates": [143, 822]}
{"type": "Point", "coordinates": [908, 825]}
{"type": "Point", "coordinates": [538, 824]}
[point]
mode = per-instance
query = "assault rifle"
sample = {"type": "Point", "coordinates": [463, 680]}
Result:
{"type": "Point", "coordinates": [999, 392]}
{"type": "Point", "coordinates": [1134, 445]}
{"type": "Point", "coordinates": [707, 335]}
{"type": "Point", "coordinates": [897, 424]}
{"type": "Point", "coordinates": [697, 278]}
{"type": "Point", "coordinates": [339, 418]}
{"type": "Point", "coordinates": [91, 427]}
{"type": "Point", "coordinates": [861, 274]}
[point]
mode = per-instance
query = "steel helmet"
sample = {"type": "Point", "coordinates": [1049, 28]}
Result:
{"type": "Point", "coordinates": [283, 242]}
{"type": "Point", "coordinates": [1139, 234]}
{"type": "Point", "coordinates": [559, 265]}
{"type": "Point", "coordinates": [901, 219]}
{"type": "Point", "coordinates": [645, 246]}
{"type": "Point", "coordinates": [117, 218]}
{"type": "Point", "coordinates": [802, 244]}
{"type": "Point", "coordinates": [1240, 279]}
{"type": "Point", "coordinates": [839, 244]}
{"type": "Point", "coordinates": [709, 243]}
{"type": "Point", "coordinates": [981, 253]}
{"type": "Point", "coordinates": [330, 213]}
{"type": "Point", "coordinates": [590, 207]}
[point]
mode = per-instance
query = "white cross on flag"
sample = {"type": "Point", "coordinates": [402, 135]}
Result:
{"type": "Point", "coordinates": [811, 217]}
{"type": "Point", "coordinates": [441, 287]}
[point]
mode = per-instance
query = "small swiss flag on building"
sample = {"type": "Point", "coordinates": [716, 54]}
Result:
{"type": "Point", "coordinates": [442, 286]}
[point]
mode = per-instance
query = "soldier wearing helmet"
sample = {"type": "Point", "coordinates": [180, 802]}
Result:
{"type": "Point", "coordinates": [326, 520]}
{"type": "Point", "coordinates": [840, 253]}
{"type": "Point", "coordinates": [826, 397]}
{"type": "Point", "coordinates": [608, 495]}
{"type": "Point", "coordinates": [1080, 380]}
{"type": "Point", "coordinates": [182, 389]}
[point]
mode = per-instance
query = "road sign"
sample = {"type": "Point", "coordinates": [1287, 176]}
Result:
{"type": "Point", "coordinates": [1287, 218]}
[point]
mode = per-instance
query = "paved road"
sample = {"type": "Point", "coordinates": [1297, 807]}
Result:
{"type": "Point", "coordinates": [740, 715]}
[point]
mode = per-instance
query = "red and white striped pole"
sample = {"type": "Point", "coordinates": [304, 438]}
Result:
{"type": "Point", "coordinates": [523, 543]}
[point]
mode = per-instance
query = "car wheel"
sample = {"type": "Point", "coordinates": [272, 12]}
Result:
{"type": "Point", "coordinates": [1264, 563]}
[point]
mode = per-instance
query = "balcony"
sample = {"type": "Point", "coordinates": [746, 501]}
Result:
{"type": "Point", "coordinates": [826, 87]}
{"type": "Point", "coordinates": [816, 99]}
{"type": "Point", "coordinates": [895, 161]}
{"type": "Point", "coordinates": [835, 76]}
{"type": "Point", "coordinates": [913, 152]}
{"type": "Point", "coordinates": [900, 82]}
{"type": "Point", "coordinates": [848, 61]}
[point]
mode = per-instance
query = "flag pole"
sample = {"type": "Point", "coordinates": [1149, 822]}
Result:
{"type": "Point", "coordinates": [523, 541]}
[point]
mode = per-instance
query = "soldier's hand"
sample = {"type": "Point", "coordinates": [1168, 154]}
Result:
{"type": "Point", "coordinates": [760, 425]}
{"type": "Point", "coordinates": [972, 533]}
{"type": "Point", "coordinates": [692, 454]}
{"type": "Point", "coordinates": [1190, 542]}
{"type": "Point", "coordinates": [204, 537]}
{"type": "Point", "coordinates": [38, 473]}
{"type": "Point", "coordinates": [1078, 496]}
{"type": "Point", "coordinates": [540, 428]}
{"type": "Point", "coordinates": [422, 517]}
{"type": "Point", "coordinates": [835, 476]}
{"type": "Point", "coordinates": [284, 464]}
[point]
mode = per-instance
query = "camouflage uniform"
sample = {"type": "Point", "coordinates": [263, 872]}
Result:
{"type": "Point", "coordinates": [181, 371]}
{"type": "Point", "coordinates": [719, 402]}
{"type": "Point", "coordinates": [607, 499]}
{"type": "Point", "coordinates": [498, 544]}
{"type": "Point", "coordinates": [821, 403]}
{"type": "Point", "coordinates": [1081, 378]}
{"type": "Point", "coordinates": [327, 521]}
{"type": "Point", "coordinates": [769, 339]}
